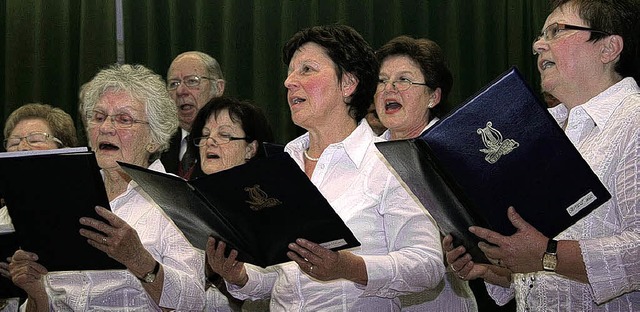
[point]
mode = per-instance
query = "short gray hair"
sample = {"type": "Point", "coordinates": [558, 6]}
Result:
{"type": "Point", "coordinates": [211, 65]}
{"type": "Point", "coordinates": [143, 85]}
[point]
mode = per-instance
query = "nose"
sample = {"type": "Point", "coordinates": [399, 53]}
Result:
{"type": "Point", "coordinates": [182, 89]}
{"type": "Point", "coordinates": [539, 46]}
{"type": "Point", "coordinates": [211, 141]}
{"type": "Point", "coordinates": [24, 145]}
{"type": "Point", "coordinates": [291, 81]}
{"type": "Point", "coordinates": [107, 125]}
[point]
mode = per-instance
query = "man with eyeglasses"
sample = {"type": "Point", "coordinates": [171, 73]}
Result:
{"type": "Point", "coordinates": [193, 79]}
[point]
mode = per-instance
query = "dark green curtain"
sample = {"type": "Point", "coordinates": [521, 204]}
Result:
{"type": "Point", "coordinates": [52, 47]}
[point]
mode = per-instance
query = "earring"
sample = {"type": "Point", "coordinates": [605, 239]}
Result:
{"type": "Point", "coordinates": [430, 104]}
{"type": "Point", "coordinates": [150, 148]}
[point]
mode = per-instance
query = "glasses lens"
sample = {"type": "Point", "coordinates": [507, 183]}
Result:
{"type": "Point", "coordinates": [123, 120]}
{"type": "Point", "coordinates": [36, 138]}
{"type": "Point", "coordinates": [552, 31]}
{"type": "Point", "coordinates": [173, 84]}
{"type": "Point", "coordinates": [11, 143]}
{"type": "Point", "coordinates": [403, 85]}
{"type": "Point", "coordinates": [192, 81]}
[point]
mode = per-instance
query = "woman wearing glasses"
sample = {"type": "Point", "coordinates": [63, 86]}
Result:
{"type": "Point", "coordinates": [588, 59]}
{"type": "Point", "coordinates": [130, 118]}
{"type": "Point", "coordinates": [228, 132]}
{"type": "Point", "coordinates": [412, 84]}
{"type": "Point", "coordinates": [32, 126]}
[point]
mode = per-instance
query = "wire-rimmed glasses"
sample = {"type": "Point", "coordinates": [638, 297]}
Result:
{"type": "Point", "coordinates": [119, 121]}
{"type": "Point", "coordinates": [34, 139]}
{"type": "Point", "coordinates": [218, 140]}
{"type": "Point", "coordinates": [190, 81]}
{"type": "Point", "coordinates": [402, 84]}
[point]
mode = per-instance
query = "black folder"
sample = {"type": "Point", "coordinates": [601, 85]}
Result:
{"type": "Point", "coordinates": [46, 193]}
{"type": "Point", "coordinates": [499, 148]}
{"type": "Point", "coordinates": [257, 208]}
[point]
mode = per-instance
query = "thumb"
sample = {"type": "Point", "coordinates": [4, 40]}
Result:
{"type": "Point", "coordinates": [516, 219]}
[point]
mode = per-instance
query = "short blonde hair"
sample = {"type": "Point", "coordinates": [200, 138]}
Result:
{"type": "Point", "coordinates": [60, 123]}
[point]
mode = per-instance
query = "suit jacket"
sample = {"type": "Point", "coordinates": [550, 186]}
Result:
{"type": "Point", "coordinates": [171, 157]}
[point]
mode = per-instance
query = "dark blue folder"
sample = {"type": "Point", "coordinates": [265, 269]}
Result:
{"type": "Point", "coordinates": [499, 148]}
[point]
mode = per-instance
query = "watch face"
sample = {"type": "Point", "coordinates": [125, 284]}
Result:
{"type": "Point", "coordinates": [549, 262]}
{"type": "Point", "coordinates": [149, 278]}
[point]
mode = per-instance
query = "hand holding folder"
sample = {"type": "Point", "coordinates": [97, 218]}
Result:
{"type": "Point", "coordinates": [499, 148]}
{"type": "Point", "coordinates": [257, 208]}
{"type": "Point", "coordinates": [47, 192]}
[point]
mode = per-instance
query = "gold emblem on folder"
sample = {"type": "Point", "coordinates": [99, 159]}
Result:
{"type": "Point", "coordinates": [259, 199]}
{"type": "Point", "coordinates": [496, 147]}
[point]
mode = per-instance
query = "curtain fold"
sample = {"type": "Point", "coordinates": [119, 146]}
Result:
{"type": "Point", "coordinates": [51, 47]}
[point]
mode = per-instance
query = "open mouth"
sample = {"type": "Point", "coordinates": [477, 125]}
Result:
{"type": "Point", "coordinates": [297, 100]}
{"type": "Point", "coordinates": [546, 64]}
{"type": "Point", "coordinates": [212, 156]}
{"type": "Point", "coordinates": [107, 147]}
{"type": "Point", "coordinates": [186, 107]}
{"type": "Point", "coordinates": [392, 106]}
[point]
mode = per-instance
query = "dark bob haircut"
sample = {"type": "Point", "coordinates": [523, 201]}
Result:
{"type": "Point", "coordinates": [350, 53]}
{"type": "Point", "coordinates": [429, 57]}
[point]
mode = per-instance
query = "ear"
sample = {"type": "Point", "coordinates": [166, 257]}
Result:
{"type": "Point", "coordinates": [152, 147]}
{"type": "Point", "coordinates": [611, 48]}
{"type": "Point", "coordinates": [349, 84]}
{"type": "Point", "coordinates": [251, 150]}
{"type": "Point", "coordinates": [435, 98]}
{"type": "Point", "coordinates": [220, 87]}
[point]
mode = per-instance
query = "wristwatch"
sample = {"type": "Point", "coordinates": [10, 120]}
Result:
{"type": "Point", "coordinates": [550, 258]}
{"type": "Point", "coordinates": [151, 276]}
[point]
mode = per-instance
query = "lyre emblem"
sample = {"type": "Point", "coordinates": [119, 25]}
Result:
{"type": "Point", "coordinates": [496, 146]}
{"type": "Point", "coordinates": [259, 199]}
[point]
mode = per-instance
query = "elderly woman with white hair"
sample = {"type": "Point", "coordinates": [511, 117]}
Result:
{"type": "Point", "coordinates": [129, 118]}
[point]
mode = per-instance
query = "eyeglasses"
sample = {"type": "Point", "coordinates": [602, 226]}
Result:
{"type": "Point", "coordinates": [402, 84]}
{"type": "Point", "coordinates": [119, 121]}
{"type": "Point", "coordinates": [190, 81]}
{"type": "Point", "coordinates": [218, 140]}
{"type": "Point", "coordinates": [551, 32]}
{"type": "Point", "coordinates": [34, 139]}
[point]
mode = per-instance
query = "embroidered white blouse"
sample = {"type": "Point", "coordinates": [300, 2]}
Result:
{"type": "Point", "coordinates": [606, 131]}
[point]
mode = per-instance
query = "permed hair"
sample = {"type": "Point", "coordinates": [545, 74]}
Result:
{"type": "Point", "coordinates": [143, 85]}
{"type": "Point", "coordinates": [60, 123]}
{"type": "Point", "coordinates": [350, 53]}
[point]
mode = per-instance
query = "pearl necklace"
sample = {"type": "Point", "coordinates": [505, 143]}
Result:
{"type": "Point", "coordinates": [306, 155]}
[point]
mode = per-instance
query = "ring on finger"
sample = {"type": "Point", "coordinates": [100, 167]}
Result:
{"type": "Point", "coordinates": [452, 268]}
{"type": "Point", "coordinates": [311, 269]}
{"type": "Point", "coordinates": [104, 240]}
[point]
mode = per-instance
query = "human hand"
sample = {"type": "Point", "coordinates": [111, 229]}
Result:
{"type": "Point", "coordinates": [115, 238]}
{"type": "Point", "coordinates": [521, 252]}
{"type": "Point", "coordinates": [230, 269]}
{"type": "Point", "coordinates": [26, 273]}
{"type": "Point", "coordinates": [464, 268]}
{"type": "Point", "coordinates": [326, 265]}
{"type": "Point", "coordinates": [4, 268]}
